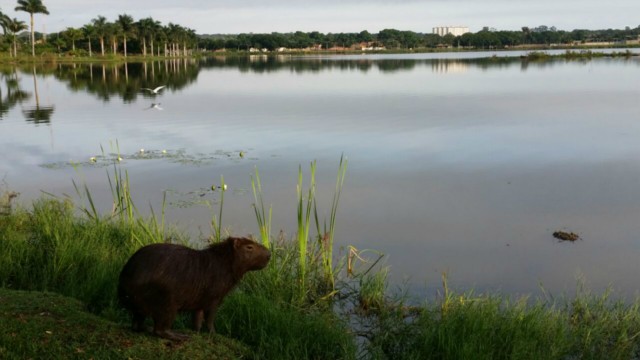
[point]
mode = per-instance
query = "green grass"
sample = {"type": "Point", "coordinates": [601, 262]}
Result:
{"type": "Point", "coordinates": [467, 326]}
{"type": "Point", "coordinates": [41, 325]}
{"type": "Point", "coordinates": [72, 250]}
{"type": "Point", "coordinates": [270, 327]}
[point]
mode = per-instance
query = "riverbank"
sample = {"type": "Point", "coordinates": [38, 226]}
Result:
{"type": "Point", "coordinates": [575, 51]}
{"type": "Point", "coordinates": [296, 308]}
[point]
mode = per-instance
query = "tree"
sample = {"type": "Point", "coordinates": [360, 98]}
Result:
{"type": "Point", "coordinates": [100, 26]}
{"type": "Point", "coordinates": [32, 7]}
{"type": "Point", "coordinates": [174, 34]}
{"type": "Point", "coordinates": [4, 21]}
{"type": "Point", "coordinates": [127, 29]}
{"type": "Point", "coordinates": [89, 32]}
{"type": "Point", "coordinates": [146, 30]}
{"type": "Point", "coordinates": [155, 32]}
{"type": "Point", "coordinates": [13, 27]}
{"type": "Point", "coordinates": [113, 32]}
{"type": "Point", "coordinates": [73, 34]}
{"type": "Point", "coordinates": [364, 36]}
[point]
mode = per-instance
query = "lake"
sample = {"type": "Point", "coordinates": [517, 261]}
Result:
{"type": "Point", "coordinates": [461, 163]}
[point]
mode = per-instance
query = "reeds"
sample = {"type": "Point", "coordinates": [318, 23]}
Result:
{"type": "Point", "coordinates": [316, 253]}
{"type": "Point", "coordinates": [304, 220]}
{"type": "Point", "coordinates": [262, 217]}
{"type": "Point", "coordinates": [216, 221]}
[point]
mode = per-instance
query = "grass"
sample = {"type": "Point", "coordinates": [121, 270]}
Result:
{"type": "Point", "coordinates": [493, 326]}
{"type": "Point", "coordinates": [41, 325]}
{"type": "Point", "coordinates": [281, 312]}
{"type": "Point", "coordinates": [73, 250]}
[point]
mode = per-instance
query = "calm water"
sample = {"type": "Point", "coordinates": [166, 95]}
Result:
{"type": "Point", "coordinates": [465, 166]}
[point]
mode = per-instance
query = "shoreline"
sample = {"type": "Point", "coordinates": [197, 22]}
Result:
{"type": "Point", "coordinates": [573, 50]}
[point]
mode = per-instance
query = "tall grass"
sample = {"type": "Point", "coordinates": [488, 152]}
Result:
{"type": "Point", "coordinates": [315, 268]}
{"type": "Point", "coordinates": [53, 247]}
{"type": "Point", "coordinates": [262, 217]}
{"type": "Point", "coordinates": [50, 248]}
{"type": "Point", "coordinates": [304, 220]}
{"type": "Point", "coordinates": [493, 326]}
{"type": "Point", "coordinates": [216, 221]}
{"type": "Point", "coordinates": [328, 233]}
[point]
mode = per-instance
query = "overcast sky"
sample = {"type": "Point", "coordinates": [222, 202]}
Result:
{"type": "Point", "coordinates": [259, 16]}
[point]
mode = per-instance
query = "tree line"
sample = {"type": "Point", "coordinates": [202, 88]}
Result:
{"type": "Point", "coordinates": [100, 36]}
{"type": "Point", "coordinates": [406, 40]}
{"type": "Point", "coordinates": [148, 36]}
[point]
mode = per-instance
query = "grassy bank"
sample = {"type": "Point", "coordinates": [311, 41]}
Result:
{"type": "Point", "coordinates": [536, 53]}
{"type": "Point", "coordinates": [306, 304]}
{"type": "Point", "coordinates": [50, 248]}
{"type": "Point", "coordinates": [38, 325]}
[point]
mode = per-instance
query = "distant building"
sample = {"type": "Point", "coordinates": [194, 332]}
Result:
{"type": "Point", "coordinates": [453, 30]}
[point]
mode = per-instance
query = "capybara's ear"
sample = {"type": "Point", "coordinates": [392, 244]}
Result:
{"type": "Point", "coordinates": [236, 243]}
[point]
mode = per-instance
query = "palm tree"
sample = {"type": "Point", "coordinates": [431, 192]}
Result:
{"type": "Point", "coordinates": [32, 7]}
{"type": "Point", "coordinates": [191, 38]}
{"type": "Point", "coordinates": [14, 26]}
{"type": "Point", "coordinates": [156, 32]}
{"type": "Point", "coordinates": [100, 26]}
{"type": "Point", "coordinates": [89, 32]}
{"type": "Point", "coordinates": [73, 34]}
{"type": "Point", "coordinates": [174, 33]}
{"type": "Point", "coordinates": [127, 29]}
{"type": "Point", "coordinates": [147, 29]}
{"type": "Point", "coordinates": [113, 31]}
{"type": "Point", "coordinates": [161, 36]}
{"type": "Point", "coordinates": [4, 20]}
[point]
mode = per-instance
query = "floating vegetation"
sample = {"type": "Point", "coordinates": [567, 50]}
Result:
{"type": "Point", "coordinates": [566, 236]}
{"type": "Point", "coordinates": [200, 197]}
{"type": "Point", "coordinates": [179, 156]}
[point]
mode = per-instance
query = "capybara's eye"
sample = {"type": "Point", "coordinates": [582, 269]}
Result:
{"type": "Point", "coordinates": [249, 247]}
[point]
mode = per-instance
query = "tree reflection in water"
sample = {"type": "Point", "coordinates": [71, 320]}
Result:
{"type": "Point", "coordinates": [38, 114]}
{"type": "Point", "coordinates": [12, 95]}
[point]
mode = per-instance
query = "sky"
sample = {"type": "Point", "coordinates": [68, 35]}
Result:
{"type": "Point", "coordinates": [266, 16]}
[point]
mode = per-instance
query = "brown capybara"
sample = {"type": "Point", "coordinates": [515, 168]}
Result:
{"type": "Point", "coordinates": [160, 280]}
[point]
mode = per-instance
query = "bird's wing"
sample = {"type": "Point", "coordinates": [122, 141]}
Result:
{"type": "Point", "coordinates": [158, 88]}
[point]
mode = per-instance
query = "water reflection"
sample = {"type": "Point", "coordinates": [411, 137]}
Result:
{"type": "Point", "coordinates": [122, 80]}
{"type": "Point", "coordinates": [12, 94]}
{"type": "Point", "coordinates": [38, 114]}
{"type": "Point", "coordinates": [127, 80]}
{"type": "Point", "coordinates": [456, 67]}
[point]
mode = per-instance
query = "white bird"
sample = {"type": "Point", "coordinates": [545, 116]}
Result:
{"type": "Point", "coordinates": [155, 91]}
{"type": "Point", "coordinates": [155, 106]}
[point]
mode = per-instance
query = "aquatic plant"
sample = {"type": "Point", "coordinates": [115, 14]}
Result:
{"type": "Point", "coordinates": [262, 217]}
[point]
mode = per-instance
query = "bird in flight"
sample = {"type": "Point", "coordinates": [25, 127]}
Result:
{"type": "Point", "coordinates": [155, 91]}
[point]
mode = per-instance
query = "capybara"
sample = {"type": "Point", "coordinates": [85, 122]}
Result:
{"type": "Point", "coordinates": [160, 280]}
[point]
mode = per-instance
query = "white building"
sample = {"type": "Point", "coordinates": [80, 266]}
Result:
{"type": "Point", "coordinates": [453, 30]}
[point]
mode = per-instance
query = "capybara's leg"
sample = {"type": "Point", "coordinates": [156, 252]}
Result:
{"type": "Point", "coordinates": [162, 321]}
{"type": "Point", "coordinates": [211, 315]}
{"type": "Point", "coordinates": [198, 319]}
{"type": "Point", "coordinates": [138, 321]}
